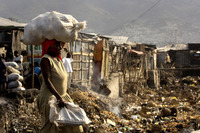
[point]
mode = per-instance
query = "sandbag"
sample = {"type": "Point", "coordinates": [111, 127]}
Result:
{"type": "Point", "coordinates": [12, 64]}
{"type": "Point", "coordinates": [18, 89]}
{"type": "Point", "coordinates": [52, 25]}
{"type": "Point", "coordinates": [14, 84]}
{"type": "Point", "coordinates": [14, 76]}
{"type": "Point", "coordinates": [10, 70]}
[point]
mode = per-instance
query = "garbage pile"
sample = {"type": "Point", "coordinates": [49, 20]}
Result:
{"type": "Point", "coordinates": [19, 112]}
{"type": "Point", "coordinates": [172, 108]}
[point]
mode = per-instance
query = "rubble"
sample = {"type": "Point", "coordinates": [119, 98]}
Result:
{"type": "Point", "coordinates": [172, 108]}
{"type": "Point", "coordinates": [19, 112]}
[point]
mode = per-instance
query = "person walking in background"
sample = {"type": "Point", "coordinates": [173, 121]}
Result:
{"type": "Point", "coordinates": [54, 84]}
{"type": "Point", "coordinates": [3, 73]}
{"type": "Point", "coordinates": [18, 59]}
{"type": "Point", "coordinates": [37, 68]}
{"type": "Point", "coordinates": [68, 67]}
{"type": "Point", "coordinates": [24, 53]}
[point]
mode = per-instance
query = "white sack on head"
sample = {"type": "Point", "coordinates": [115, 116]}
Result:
{"type": "Point", "coordinates": [52, 25]}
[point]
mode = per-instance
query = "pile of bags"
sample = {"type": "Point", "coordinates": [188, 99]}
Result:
{"type": "Point", "coordinates": [14, 78]}
{"type": "Point", "coordinates": [52, 25]}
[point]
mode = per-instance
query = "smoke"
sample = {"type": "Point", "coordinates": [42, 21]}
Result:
{"type": "Point", "coordinates": [116, 110]}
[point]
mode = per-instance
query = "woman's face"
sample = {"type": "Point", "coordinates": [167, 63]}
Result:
{"type": "Point", "coordinates": [56, 48]}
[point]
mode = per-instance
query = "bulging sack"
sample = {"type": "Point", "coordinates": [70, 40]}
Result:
{"type": "Point", "coordinates": [71, 114]}
{"type": "Point", "coordinates": [52, 25]}
{"type": "Point", "coordinates": [18, 89]}
{"type": "Point", "coordinates": [12, 64]}
{"type": "Point", "coordinates": [14, 84]}
{"type": "Point", "coordinates": [11, 69]}
{"type": "Point", "coordinates": [14, 76]}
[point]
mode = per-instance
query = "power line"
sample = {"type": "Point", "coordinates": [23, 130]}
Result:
{"type": "Point", "coordinates": [133, 21]}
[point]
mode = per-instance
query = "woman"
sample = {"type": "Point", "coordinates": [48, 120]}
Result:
{"type": "Point", "coordinates": [55, 83]}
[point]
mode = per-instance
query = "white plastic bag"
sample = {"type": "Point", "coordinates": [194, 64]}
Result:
{"type": "Point", "coordinates": [52, 25]}
{"type": "Point", "coordinates": [71, 114]}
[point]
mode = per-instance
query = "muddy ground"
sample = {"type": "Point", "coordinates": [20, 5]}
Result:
{"type": "Point", "coordinates": [174, 107]}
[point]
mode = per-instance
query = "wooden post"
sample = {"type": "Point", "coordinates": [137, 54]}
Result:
{"type": "Point", "coordinates": [103, 60]}
{"type": "Point", "coordinates": [71, 49]}
{"type": "Point", "coordinates": [81, 61]}
{"type": "Point", "coordinates": [107, 58]}
{"type": "Point", "coordinates": [32, 62]}
{"type": "Point", "coordinates": [155, 59]}
{"type": "Point", "coordinates": [88, 83]}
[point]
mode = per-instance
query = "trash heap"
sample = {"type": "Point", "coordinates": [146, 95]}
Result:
{"type": "Point", "coordinates": [172, 108]}
{"type": "Point", "coordinates": [19, 112]}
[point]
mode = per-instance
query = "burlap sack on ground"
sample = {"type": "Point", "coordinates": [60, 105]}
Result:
{"type": "Point", "coordinates": [12, 64]}
{"type": "Point", "coordinates": [14, 76]}
{"type": "Point", "coordinates": [11, 69]}
{"type": "Point", "coordinates": [14, 84]}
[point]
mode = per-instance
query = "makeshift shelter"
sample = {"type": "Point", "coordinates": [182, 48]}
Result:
{"type": "Point", "coordinates": [139, 65]}
{"type": "Point", "coordinates": [82, 52]}
{"type": "Point", "coordinates": [184, 60]}
{"type": "Point", "coordinates": [106, 63]}
{"type": "Point", "coordinates": [10, 35]}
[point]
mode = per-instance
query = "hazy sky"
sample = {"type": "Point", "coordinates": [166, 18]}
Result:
{"type": "Point", "coordinates": [141, 20]}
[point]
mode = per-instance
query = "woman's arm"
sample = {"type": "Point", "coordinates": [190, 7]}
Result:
{"type": "Point", "coordinates": [45, 69]}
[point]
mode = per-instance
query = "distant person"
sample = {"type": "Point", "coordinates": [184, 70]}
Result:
{"type": "Point", "coordinates": [24, 54]}
{"type": "Point", "coordinates": [68, 67]}
{"type": "Point", "coordinates": [3, 73]}
{"type": "Point", "coordinates": [37, 68]}
{"type": "Point", "coordinates": [18, 59]}
{"type": "Point", "coordinates": [9, 56]}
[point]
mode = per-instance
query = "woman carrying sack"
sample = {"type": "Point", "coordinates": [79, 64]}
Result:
{"type": "Point", "coordinates": [54, 84]}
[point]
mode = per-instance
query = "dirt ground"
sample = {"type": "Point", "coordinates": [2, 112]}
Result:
{"type": "Point", "coordinates": [174, 107]}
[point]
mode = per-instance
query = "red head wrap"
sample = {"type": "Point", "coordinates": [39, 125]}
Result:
{"type": "Point", "coordinates": [46, 44]}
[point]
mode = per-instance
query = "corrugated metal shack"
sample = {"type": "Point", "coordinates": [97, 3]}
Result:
{"type": "Point", "coordinates": [181, 55]}
{"type": "Point", "coordinates": [10, 35]}
{"type": "Point", "coordinates": [179, 59]}
{"type": "Point", "coordinates": [175, 54]}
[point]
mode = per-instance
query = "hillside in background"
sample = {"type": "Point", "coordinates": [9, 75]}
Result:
{"type": "Point", "coordinates": [168, 22]}
{"type": "Point", "coordinates": [148, 21]}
